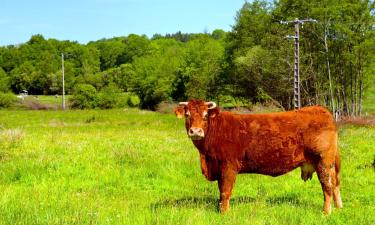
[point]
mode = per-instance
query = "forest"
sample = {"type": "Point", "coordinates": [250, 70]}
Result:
{"type": "Point", "coordinates": [253, 62]}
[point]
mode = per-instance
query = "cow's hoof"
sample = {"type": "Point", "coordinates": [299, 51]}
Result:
{"type": "Point", "coordinates": [223, 208]}
{"type": "Point", "coordinates": [327, 210]}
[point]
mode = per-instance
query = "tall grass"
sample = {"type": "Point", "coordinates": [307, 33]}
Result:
{"type": "Point", "coordinates": [138, 167]}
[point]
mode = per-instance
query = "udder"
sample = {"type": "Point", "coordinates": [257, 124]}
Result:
{"type": "Point", "coordinates": [307, 170]}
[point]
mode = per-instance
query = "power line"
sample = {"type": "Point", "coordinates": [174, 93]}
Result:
{"type": "Point", "coordinates": [296, 83]}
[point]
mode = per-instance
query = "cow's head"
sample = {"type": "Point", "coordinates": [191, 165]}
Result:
{"type": "Point", "coordinates": [197, 114]}
{"type": "Point", "coordinates": [179, 111]}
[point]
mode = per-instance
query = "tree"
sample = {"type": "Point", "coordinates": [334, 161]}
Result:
{"type": "Point", "coordinates": [154, 74]}
{"type": "Point", "coordinates": [256, 55]}
{"type": "Point", "coordinates": [135, 46]}
{"type": "Point", "coordinates": [22, 77]}
{"type": "Point", "coordinates": [333, 59]}
{"type": "Point", "coordinates": [198, 75]}
{"type": "Point", "coordinates": [4, 81]}
{"type": "Point", "coordinates": [218, 34]}
{"type": "Point", "coordinates": [110, 51]}
{"type": "Point", "coordinates": [84, 97]}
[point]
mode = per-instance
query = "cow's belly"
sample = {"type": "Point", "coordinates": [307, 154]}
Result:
{"type": "Point", "coordinates": [272, 170]}
{"type": "Point", "coordinates": [273, 162]}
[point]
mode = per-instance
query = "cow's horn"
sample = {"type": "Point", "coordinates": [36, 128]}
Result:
{"type": "Point", "coordinates": [211, 105]}
{"type": "Point", "coordinates": [183, 103]}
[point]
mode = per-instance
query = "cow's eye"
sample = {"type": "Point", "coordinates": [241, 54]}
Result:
{"type": "Point", "coordinates": [205, 115]}
{"type": "Point", "coordinates": [187, 114]}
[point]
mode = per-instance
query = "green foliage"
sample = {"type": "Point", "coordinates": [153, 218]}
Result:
{"type": "Point", "coordinates": [120, 76]}
{"type": "Point", "coordinates": [218, 34]}
{"type": "Point", "coordinates": [117, 51]}
{"type": "Point", "coordinates": [84, 96]}
{"type": "Point", "coordinates": [335, 65]}
{"type": "Point", "coordinates": [154, 74]}
{"type": "Point", "coordinates": [4, 81]}
{"type": "Point", "coordinates": [202, 67]}
{"type": "Point", "coordinates": [36, 65]}
{"type": "Point", "coordinates": [110, 51]}
{"type": "Point", "coordinates": [7, 99]}
{"type": "Point", "coordinates": [135, 46]}
{"type": "Point", "coordinates": [111, 97]}
{"type": "Point", "coordinates": [132, 100]}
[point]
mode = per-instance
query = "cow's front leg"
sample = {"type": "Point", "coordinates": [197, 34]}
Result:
{"type": "Point", "coordinates": [204, 165]}
{"type": "Point", "coordinates": [226, 182]}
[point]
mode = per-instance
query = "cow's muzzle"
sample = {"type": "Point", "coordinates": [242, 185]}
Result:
{"type": "Point", "coordinates": [196, 133]}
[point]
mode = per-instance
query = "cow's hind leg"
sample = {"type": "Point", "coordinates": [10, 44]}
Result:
{"type": "Point", "coordinates": [336, 190]}
{"type": "Point", "coordinates": [327, 165]}
{"type": "Point", "coordinates": [226, 182]}
{"type": "Point", "coordinates": [327, 177]}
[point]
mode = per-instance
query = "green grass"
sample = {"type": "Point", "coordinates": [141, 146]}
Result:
{"type": "Point", "coordinates": [138, 167]}
{"type": "Point", "coordinates": [52, 99]}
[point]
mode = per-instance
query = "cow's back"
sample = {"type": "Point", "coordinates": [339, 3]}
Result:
{"type": "Point", "coordinates": [271, 144]}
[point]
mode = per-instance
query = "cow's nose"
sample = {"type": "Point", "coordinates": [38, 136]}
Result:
{"type": "Point", "coordinates": [196, 131]}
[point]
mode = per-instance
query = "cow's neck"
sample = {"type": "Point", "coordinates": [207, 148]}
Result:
{"type": "Point", "coordinates": [199, 144]}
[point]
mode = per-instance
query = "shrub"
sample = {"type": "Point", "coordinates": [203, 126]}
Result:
{"type": "Point", "coordinates": [132, 101]}
{"type": "Point", "coordinates": [7, 99]}
{"type": "Point", "coordinates": [110, 97]}
{"type": "Point", "coordinates": [84, 97]}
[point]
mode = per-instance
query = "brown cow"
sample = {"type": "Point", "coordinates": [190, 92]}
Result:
{"type": "Point", "coordinates": [179, 111]}
{"type": "Point", "coordinates": [270, 144]}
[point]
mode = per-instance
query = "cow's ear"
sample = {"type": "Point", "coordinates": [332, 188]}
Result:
{"type": "Point", "coordinates": [213, 112]}
{"type": "Point", "coordinates": [212, 109]}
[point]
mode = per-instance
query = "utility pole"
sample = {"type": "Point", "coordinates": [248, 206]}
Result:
{"type": "Point", "coordinates": [63, 81]}
{"type": "Point", "coordinates": [296, 83]}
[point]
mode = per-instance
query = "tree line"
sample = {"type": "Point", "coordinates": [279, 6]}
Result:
{"type": "Point", "coordinates": [252, 63]}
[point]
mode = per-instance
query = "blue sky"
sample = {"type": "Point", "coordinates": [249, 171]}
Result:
{"type": "Point", "coordinates": [90, 20]}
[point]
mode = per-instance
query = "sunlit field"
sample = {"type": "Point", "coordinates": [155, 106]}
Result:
{"type": "Point", "coordinates": [138, 167]}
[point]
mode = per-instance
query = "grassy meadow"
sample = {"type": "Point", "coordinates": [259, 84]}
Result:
{"type": "Point", "coordinates": [139, 167]}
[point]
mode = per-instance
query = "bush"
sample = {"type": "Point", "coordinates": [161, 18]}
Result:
{"type": "Point", "coordinates": [110, 97]}
{"type": "Point", "coordinates": [7, 100]}
{"type": "Point", "coordinates": [84, 97]}
{"type": "Point", "coordinates": [132, 101]}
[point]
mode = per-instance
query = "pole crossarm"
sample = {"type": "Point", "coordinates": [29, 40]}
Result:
{"type": "Point", "coordinates": [298, 21]}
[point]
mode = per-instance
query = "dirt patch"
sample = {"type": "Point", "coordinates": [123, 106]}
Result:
{"type": "Point", "coordinates": [166, 107]}
{"type": "Point", "coordinates": [40, 106]}
{"type": "Point", "coordinates": [359, 121]}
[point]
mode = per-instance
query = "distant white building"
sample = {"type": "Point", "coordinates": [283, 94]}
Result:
{"type": "Point", "coordinates": [24, 93]}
